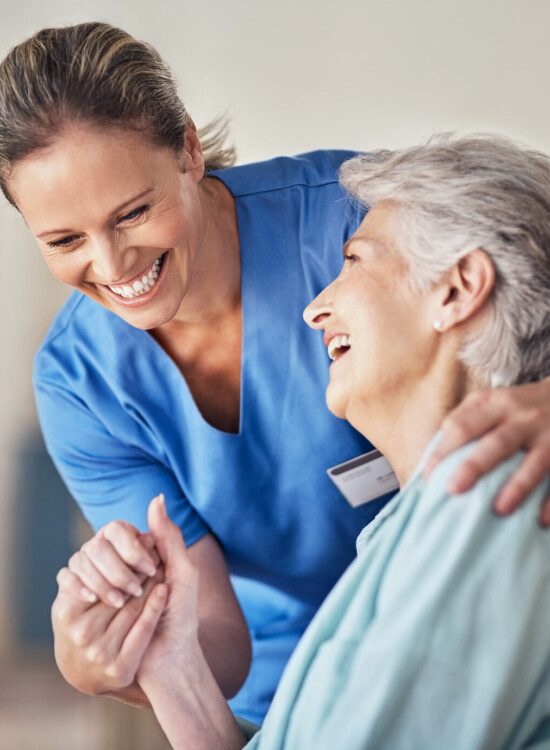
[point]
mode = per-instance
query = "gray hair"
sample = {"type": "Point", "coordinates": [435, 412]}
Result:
{"type": "Point", "coordinates": [454, 195]}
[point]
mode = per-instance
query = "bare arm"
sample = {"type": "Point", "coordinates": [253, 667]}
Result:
{"type": "Point", "coordinates": [190, 707]}
{"type": "Point", "coordinates": [223, 632]}
{"type": "Point", "coordinates": [174, 673]}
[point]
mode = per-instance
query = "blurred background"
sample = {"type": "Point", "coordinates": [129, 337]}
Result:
{"type": "Point", "coordinates": [292, 75]}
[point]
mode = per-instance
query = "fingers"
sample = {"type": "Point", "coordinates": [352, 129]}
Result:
{"type": "Point", "coordinates": [71, 584]}
{"type": "Point", "coordinates": [111, 566]}
{"type": "Point", "coordinates": [140, 634]}
{"type": "Point", "coordinates": [545, 513]}
{"type": "Point", "coordinates": [168, 537]}
{"type": "Point", "coordinates": [529, 474]}
{"type": "Point", "coordinates": [89, 644]}
{"type": "Point", "coordinates": [79, 623]}
{"type": "Point", "coordinates": [92, 616]}
{"type": "Point", "coordinates": [113, 563]}
{"type": "Point", "coordinates": [149, 542]}
{"type": "Point", "coordinates": [508, 420]}
{"type": "Point", "coordinates": [493, 448]}
{"type": "Point", "coordinates": [475, 416]}
{"type": "Point", "coordinates": [109, 640]}
{"type": "Point", "coordinates": [130, 546]}
{"type": "Point", "coordinates": [82, 566]}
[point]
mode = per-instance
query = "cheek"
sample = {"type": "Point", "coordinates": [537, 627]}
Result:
{"type": "Point", "coordinates": [69, 270]}
{"type": "Point", "coordinates": [173, 230]}
{"type": "Point", "coordinates": [395, 348]}
{"type": "Point", "coordinates": [383, 329]}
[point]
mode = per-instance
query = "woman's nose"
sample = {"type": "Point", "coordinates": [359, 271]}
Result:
{"type": "Point", "coordinates": [319, 309]}
{"type": "Point", "coordinates": [109, 259]}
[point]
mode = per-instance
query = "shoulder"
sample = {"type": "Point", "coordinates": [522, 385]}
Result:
{"type": "Point", "coordinates": [81, 336]}
{"type": "Point", "coordinates": [450, 548]}
{"type": "Point", "coordinates": [470, 515]}
{"type": "Point", "coordinates": [315, 169]}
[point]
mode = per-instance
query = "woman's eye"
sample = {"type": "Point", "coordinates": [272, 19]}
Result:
{"type": "Point", "coordinates": [134, 214]}
{"type": "Point", "coordinates": [64, 241]}
{"type": "Point", "coordinates": [350, 258]}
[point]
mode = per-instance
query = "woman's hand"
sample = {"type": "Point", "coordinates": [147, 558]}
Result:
{"type": "Point", "coordinates": [176, 637]}
{"type": "Point", "coordinates": [506, 420]}
{"type": "Point", "coordinates": [113, 564]}
{"type": "Point", "coordinates": [98, 645]}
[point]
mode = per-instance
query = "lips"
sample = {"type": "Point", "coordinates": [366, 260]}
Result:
{"type": "Point", "coordinates": [128, 296]}
{"type": "Point", "coordinates": [337, 344]}
{"type": "Point", "coordinates": [140, 284]}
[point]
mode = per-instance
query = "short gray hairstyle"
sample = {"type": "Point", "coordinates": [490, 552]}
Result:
{"type": "Point", "coordinates": [454, 195]}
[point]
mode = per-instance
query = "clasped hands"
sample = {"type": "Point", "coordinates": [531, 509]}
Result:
{"type": "Point", "coordinates": [125, 599]}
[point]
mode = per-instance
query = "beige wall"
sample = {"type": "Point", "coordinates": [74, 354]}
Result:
{"type": "Point", "coordinates": [293, 75]}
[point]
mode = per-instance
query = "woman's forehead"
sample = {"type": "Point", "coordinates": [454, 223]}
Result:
{"type": "Point", "coordinates": [378, 226]}
{"type": "Point", "coordinates": [87, 168]}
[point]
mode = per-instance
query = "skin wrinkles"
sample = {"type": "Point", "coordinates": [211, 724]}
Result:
{"type": "Point", "coordinates": [121, 211]}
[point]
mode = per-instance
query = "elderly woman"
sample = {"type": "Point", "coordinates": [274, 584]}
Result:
{"type": "Point", "coordinates": [180, 365]}
{"type": "Point", "coordinates": [437, 635]}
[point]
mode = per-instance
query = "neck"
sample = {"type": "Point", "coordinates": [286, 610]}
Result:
{"type": "Point", "coordinates": [402, 424]}
{"type": "Point", "coordinates": [215, 283]}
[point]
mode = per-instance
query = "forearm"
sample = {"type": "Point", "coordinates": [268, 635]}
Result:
{"type": "Point", "coordinates": [227, 650]}
{"type": "Point", "coordinates": [190, 707]}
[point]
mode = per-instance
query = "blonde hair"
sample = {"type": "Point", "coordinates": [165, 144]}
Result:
{"type": "Point", "coordinates": [96, 73]}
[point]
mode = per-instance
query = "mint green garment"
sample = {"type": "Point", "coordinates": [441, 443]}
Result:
{"type": "Point", "coordinates": [437, 637]}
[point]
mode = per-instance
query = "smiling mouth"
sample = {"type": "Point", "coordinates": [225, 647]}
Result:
{"type": "Point", "coordinates": [143, 284]}
{"type": "Point", "coordinates": [338, 346]}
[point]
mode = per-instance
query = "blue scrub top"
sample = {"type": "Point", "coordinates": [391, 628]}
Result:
{"type": "Point", "coordinates": [121, 425]}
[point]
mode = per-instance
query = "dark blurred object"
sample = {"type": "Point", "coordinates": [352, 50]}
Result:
{"type": "Point", "coordinates": [45, 517]}
{"type": "Point", "coordinates": [38, 709]}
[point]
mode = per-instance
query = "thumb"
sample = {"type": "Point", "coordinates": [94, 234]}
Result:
{"type": "Point", "coordinates": [168, 537]}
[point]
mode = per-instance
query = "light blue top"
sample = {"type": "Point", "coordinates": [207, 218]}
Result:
{"type": "Point", "coordinates": [437, 637]}
{"type": "Point", "coordinates": [122, 426]}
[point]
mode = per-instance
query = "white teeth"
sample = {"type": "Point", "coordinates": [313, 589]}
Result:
{"type": "Point", "coordinates": [140, 286]}
{"type": "Point", "coordinates": [337, 343]}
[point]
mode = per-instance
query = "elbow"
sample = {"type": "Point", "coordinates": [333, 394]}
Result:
{"type": "Point", "coordinates": [228, 650]}
{"type": "Point", "coordinates": [240, 644]}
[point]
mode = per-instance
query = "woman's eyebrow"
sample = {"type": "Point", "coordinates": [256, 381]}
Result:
{"type": "Point", "coordinates": [116, 210]}
{"type": "Point", "coordinates": [131, 200]}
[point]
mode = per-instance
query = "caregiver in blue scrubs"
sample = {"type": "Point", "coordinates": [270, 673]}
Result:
{"type": "Point", "coordinates": [180, 364]}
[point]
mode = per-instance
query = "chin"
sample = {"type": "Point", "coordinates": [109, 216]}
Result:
{"type": "Point", "coordinates": [336, 403]}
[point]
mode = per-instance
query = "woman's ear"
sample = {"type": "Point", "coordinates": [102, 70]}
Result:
{"type": "Point", "coordinates": [464, 290]}
{"type": "Point", "coordinates": [192, 156]}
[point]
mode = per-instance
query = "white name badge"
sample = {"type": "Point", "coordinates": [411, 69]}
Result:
{"type": "Point", "coordinates": [365, 478]}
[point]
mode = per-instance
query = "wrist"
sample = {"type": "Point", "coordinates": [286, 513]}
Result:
{"type": "Point", "coordinates": [190, 707]}
{"type": "Point", "coordinates": [171, 668]}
